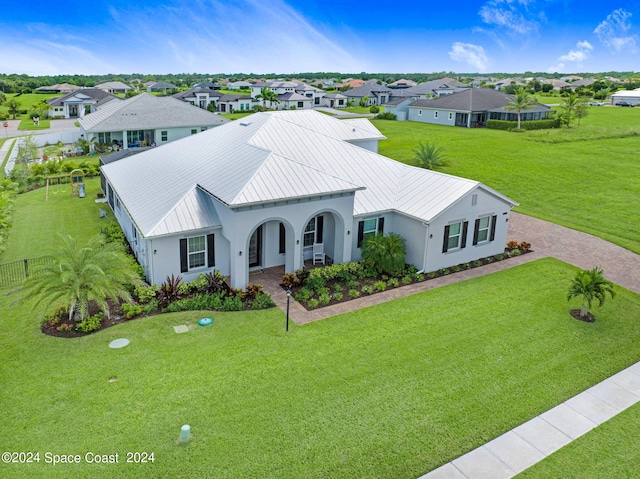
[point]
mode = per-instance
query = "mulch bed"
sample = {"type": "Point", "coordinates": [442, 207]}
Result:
{"type": "Point", "coordinates": [115, 317]}
{"type": "Point", "coordinates": [372, 280]}
{"type": "Point", "coordinates": [589, 318]}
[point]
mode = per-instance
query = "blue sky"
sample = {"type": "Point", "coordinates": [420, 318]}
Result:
{"type": "Point", "coordinates": [252, 36]}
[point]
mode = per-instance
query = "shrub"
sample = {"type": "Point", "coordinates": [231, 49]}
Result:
{"type": "Point", "coordinates": [338, 288]}
{"type": "Point", "coordinates": [393, 283]}
{"type": "Point", "coordinates": [91, 323]}
{"type": "Point", "coordinates": [407, 279]}
{"type": "Point", "coordinates": [315, 282]}
{"type": "Point", "coordinates": [367, 289]}
{"type": "Point", "coordinates": [352, 284]}
{"type": "Point", "coordinates": [232, 303]}
{"type": "Point", "coordinates": [262, 301]}
{"type": "Point", "coordinates": [385, 116]}
{"type": "Point", "coordinates": [477, 263]}
{"type": "Point", "coordinates": [253, 290]}
{"type": "Point", "coordinates": [184, 289]}
{"type": "Point", "coordinates": [199, 285]}
{"type": "Point", "coordinates": [380, 286]}
{"type": "Point", "coordinates": [66, 327]}
{"type": "Point", "coordinates": [515, 252]}
{"type": "Point", "coordinates": [196, 302]}
{"type": "Point", "coordinates": [324, 299]}
{"type": "Point", "coordinates": [524, 246]}
{"type": "Point", "coordinates": [144, 293]}
{"type": "Point", "coordinates": [131, 310]}
{"type": "Point", "coordinates": [466, 266]}
{"type": "Point", "coordinates": [524, 125]}
{"type": "Point", "coordinates": [499, 257]}
{"type": "Point", "coordinates": [312, 303]}
{"type": "Point", "coordinates": [374, 109]}
{"type": "Point", "coordinates": [512, 244]}
{"type": "Point", "coordinates": [151, 306]}
{"type": "Point", "coordinates": [445, 271]}
{"type": "Point", "coordinates": [387, 253]}
{"type": "Point", "coordinates": [304, 295]}
{"type": "Point", "coordinates": [289, 280]}
{"type": "Point", "coordinates": [113, 233]}
{"type": "Point", "coordinates": [455, 269]}
{"type": "Point", "coordinates": [431, 274]}
{"type": "Point", "coordinates": [354, 293]}
{"type": "Point", "coordinates": [337, 296]}
{"type": "Point", "coordinates": [169, 290]}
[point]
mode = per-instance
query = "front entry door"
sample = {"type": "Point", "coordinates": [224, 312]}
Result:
{"type": "Point", "coordinates": [255, 248]}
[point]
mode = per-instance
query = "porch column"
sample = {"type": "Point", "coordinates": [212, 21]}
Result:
{"type": "Point", "coordinates": [124, 139]}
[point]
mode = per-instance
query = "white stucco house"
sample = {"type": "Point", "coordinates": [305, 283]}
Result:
{"type": "Point", "coordinates": [261, 191]}
{"type": "Point", "coordinates": [144, 120]}
{"type": "Point", "coordinates": [290, 94]}
{"type": "Point", "coordinates": [632, 97]}
{"type": "Point", "coordinates": [79, 103]}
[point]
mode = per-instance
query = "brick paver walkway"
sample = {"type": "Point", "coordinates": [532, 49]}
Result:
{"type": "Point", "coordinates": [580, 249]}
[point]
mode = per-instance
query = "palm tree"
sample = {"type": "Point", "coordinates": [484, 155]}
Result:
{"type": "Point", "coordinates": [590, 285]}
{"type": "Point", "coordinates": [267, 95]}
{"type": "Point", "coordinates": [520, 102]}
{"type": "Point", "coordinates": [13, 106]}
{"type": "Point", "coordinates": [79, 274]}
{"type": "Point", "coordinates": [572, 107]}
{"type": "Point", "coordinates": [387, 253]}
{"type": "Point", "coordinates": [430, 156]}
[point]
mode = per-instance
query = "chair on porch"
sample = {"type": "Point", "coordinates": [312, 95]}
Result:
{"type": "Point", "coordinates": [318, 253]}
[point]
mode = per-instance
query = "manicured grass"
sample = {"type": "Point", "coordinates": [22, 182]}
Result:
{"type": "Point", "coordinates": [389, 391]}
{"type": "Point", "coordinates": [27, 101]}
{"type": "Point", "coordinates": [236, 116]}
{"type": "Point", "coordinates": [610, 450]}
{"type": "Point", "coordinates": [586, 177]}
{"type": "Point", "coordinates": [27, 124]}
{"type": "Point", "coordinates": [37, 222]}
{"type": "Point", "coordinates": [359, 109]}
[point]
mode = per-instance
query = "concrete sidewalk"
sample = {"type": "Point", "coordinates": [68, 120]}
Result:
{"type": "Point", "coordinates": [529, 443]}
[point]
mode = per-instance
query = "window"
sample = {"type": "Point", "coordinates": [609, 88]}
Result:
{"type": "Point", "coordinates": [368, 228]}
{"type": "Point", "coordinates": [419, 112]}
{"type": "Point", "coordinates": [204, 128]}
{"type": "Point", "coordinates": [134, 136]}
{"type": "Point", "coordinates": [300, 104]}
{"type": "Point", "coordinates": [340, 102]}
{"type": "Point", "coordinates": [450, 115]}
{"type": "Point", "coordinates": [474, 199]}
{"type": "Point", "coordinates": [282, 239]}
{"type": "Point", "coordinates": [194, 131]}
{"type": "Point", "coordinates": [455, 236]}
{"type": "Point", "coordinates": [104, 138]}
{"type": "Point", "coordinates": [484, 229]}
{"type": "Point", "coordinates": [163, 135]}
{"type": "Point", "coordinates": [435, 114]}
{"type": "Point", "coordinates": [313, 231]}
{"type": "Point", "coordinates": [197, 252]}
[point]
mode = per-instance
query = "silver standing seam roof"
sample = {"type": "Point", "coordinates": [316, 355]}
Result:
{"type": "Point", "coordinates": [269, 157]}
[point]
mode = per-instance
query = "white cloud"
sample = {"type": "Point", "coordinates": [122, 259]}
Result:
{"type": "Point", "coordinates": [577, 56]}
{"type": "Point", "coordinates": [614, 31]}
{"type": "Point", "coordinates": [473, 55]}
{"type": "Point", "coordinates": [514, 15]}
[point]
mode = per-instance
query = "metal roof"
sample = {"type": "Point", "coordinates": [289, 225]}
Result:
{"type": "Point", "coordinates": [146, 111]}
{"type": "Point", "coordinates": [472, 99]}
{"type": "Point", "coordinates": [268, 157]}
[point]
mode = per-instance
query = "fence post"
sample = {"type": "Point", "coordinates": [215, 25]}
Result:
{"type": "Point", "coordinates": [26, 267]}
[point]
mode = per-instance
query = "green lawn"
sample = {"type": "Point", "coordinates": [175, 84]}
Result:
{"type": "Point", "coordinates": [237, 115]}
{"type": "Point", "coordinates": [587, 178]}
{"type": "Point", "coordinates": [390, 391]}
{"type": "Point", "coordinates": [27, 101]}
{"type": "Point", "coordinates": [27, 124]}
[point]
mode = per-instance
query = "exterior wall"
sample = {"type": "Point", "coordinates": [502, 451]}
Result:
{"type": "Point", "coordinates": [371, 145]}
{"type": "Point", "coordinates": [462, 210]}
{"type": "Point", "coordinates": [428, 115]}
{"type": "Point", "coordinates": [618, 97]}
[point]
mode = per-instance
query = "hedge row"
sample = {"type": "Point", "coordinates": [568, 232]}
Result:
{"type": "Point", "coordinates": [525, 125]}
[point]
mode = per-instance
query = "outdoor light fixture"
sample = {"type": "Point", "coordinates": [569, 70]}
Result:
{"type": "Point", "coordinates": [297, 241]}
{"type": "Point", "coordinates": [288, 299]}
{"type": "Point", "coordinates": [348, 232]}
{"type": "Point", "coordinates": [239, 253]}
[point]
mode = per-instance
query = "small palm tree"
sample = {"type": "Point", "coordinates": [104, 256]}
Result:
{"type": "Point", "coordinates": [430, 156]}
{"type": "Point", "coordinates": [571, 108]}
{"type": "Point", "coordinates": [520, 102]}
{"type": "Point", "coordinates": [590, 285]}
{"type": "Point", "coordinates": [79, 274]}
{"type": "Point", "coordinates": [387, 253]}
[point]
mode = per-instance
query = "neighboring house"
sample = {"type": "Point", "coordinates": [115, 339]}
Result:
{"type": "Point", "coordinates": [239, 85]}
{"type": "Point", "coordinates": [505, 82]}
{"type": "Point", "coordinates": [144, 120]}
{"type": "Point", "coordinates": [261, 191]}
{"type": "Point", "coordinates": [352, 83]}
{"type": "Point", "coordinates": [161, 86]}
{"type": "Point", "coordinates": [402, 83]}
{"type": "Point", "coordinates": [399, 107]}
{"type": "Point", "coordinates": [557, 84]}
{"type": "Point", "coordinates": [114, 87]}
{"type": "Point", "coordinates": [376, 94]}
{"type": "Point", "coordinates": [583, 82]}
{"type": "Point", "coordinates": [58, 88]}
{"type": "Point", "coordinates": [629, 96]}
{"type": "Point", "coordinates": [434, 88]}
{"type": "Point", "coordinates": [235, 102]}
{"type": "Point", "coordinates": [471, 108]}
{"type": "Point", "coordinates": [206, 85]}
{"type": "Point", "coordinates": [200, 97]}
{"type": "Point", "coordinates": [335, 100]}
{"type": "Point", "coordinates": [290, 94]}
{"type": "Point", "coordinates": [79, 102]}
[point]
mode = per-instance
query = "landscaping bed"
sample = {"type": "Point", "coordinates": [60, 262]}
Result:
{"type": "Point", "coordinates": [321, 287]}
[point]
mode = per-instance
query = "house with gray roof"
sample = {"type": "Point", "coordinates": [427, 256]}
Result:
{"type": "Point", "coordinates": [239, 85]}
{"type": "Point", "coordinates": [161, 86]}
{"type": "Point", "coordinates": [471, 108]}
{"type": "Point", "coordinates": [79, 102]}
{"type": "Point", "coordinates": [114, 87]}
{"type": "Point", "coordinates": [200, 97]}
{"type": "Point", "coordinates": [59, 88]}
{"type": "Point", "coordinates": [434, 88]}
{"type": "Point", "coordinates": [335, 100]}
{"type": "Point", "coordinates": [235, 102]}
{"type": "Point", "coordinates": [290, 94]}
{"type": "Point", "coordinates": [376, 94]}
{"type": "Point", "coordinates": [262, 191]}
{"type": "Point", "coordinates": [145, 120]}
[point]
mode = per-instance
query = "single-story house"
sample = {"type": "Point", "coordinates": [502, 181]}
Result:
{"type": "Point", "coordinates": [161, 86]}
{"type": "Point", "coordinates": [145, 120]}
{"type": "Point", "coordinates": [376, 94]}
{"type": "Point", "coordinates": [290, 94]}
{"type": "Point", "coordinates": [262, 191]}
{"type": "Point", "coordinates": [114, 87]}
{"type": "Point", "coordinates": [206, 85]}
{"type": "Point", "coordinates": [402, 83]}
{"type": "Point", "coordinates": [399, 107]}
{"type": "Point", "coordinates": [335, 100]}
{"type": "Point", "coordinates": [434, 88]}
{"type": "Point", "coordinates": [79, 102]}
{"type": "Point", "coordinates": [630, 96]}
{"type": "Point", "coordinates": [200, 97]}
{"type": "Point", "coordinates": [239, 85]}
{"type": "Point", "coordinates": [58, 88]}
{"type": "Point", "coordinates": [234, 102]}
{"type": "Point", "coordinates": [472, 108]}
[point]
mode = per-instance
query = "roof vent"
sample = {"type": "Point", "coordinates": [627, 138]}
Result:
{"type": "Point", "coordinates": [245, 124]}
{"type": "Point", "coordinates": [354, 129]}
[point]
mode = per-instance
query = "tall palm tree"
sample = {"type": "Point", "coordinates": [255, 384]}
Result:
{"type": "Point", "coordinates": [430, 156]}
{"type": "Point", "coordinates": [520, 102]}
{"type": "Point", "coordinates": [79, 274]}
{"type": "Point", "coordinates": [267, 95]}
{"type": "Point", "coordinates": [590, 285]}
